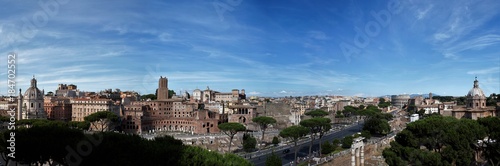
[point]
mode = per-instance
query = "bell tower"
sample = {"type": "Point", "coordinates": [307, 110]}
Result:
{"type": "Point", "coordinates": [162, 90]}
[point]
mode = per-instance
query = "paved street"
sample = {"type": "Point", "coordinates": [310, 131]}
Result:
{"type": "Point", "coordinates": [259, 158]}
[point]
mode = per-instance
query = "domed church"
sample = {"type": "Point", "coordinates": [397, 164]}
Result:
{"type": "Point", "coordinates": [32, 102]}
{"type": "Point", "coordinates": [475, 105]}
{"type": "Point", "coordinates": [476, 97]}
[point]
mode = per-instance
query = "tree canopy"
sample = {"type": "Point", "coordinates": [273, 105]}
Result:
{"type": "Point", "coordinates": [56, 144]}
{"type": "Point", "coordinates": [230, 129]}
{"type": "Point", "coordinates": [316, 125]}
{"type": "Point", "coordinates": [438, 140]}
{"type": "Point", "coordinates": [377, 126]}
{"type": "Point", "coordinates": [274, 160]}
{"type": "Point", "coordinates": [264, 122]}
{"type": "Point", "coordinates": [103, 120]}
{"type": "Point", "coordinates": [198, 156]}
{"type": "Point", "coordinates": [295, 133]}
{"type": "Point", "coordinates": [316, 113]}
{"type": "Point", "coordinates": [249, 142]}
{"type": "Point", "coordinates": [382, 103]}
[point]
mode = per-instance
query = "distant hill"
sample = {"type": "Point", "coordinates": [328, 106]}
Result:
{"type": "Point", "coordinates": [426, 95]}
{"type": "Point", "coordinates": [423, 95]}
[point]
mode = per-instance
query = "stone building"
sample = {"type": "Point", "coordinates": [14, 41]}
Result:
{"type": "Point", "coordinates": [430, 105]}
{"type": "Point", "coordinates": [400, 100]}
{"type": "Point", "coordinates": [209, 96]}
{"type": "Point", "coordinates": [32, 102]}
{"type": "Point", "coordinates": [162, 91]}
{"type": "Point", "coordinates": [242, 113]}
{"type": "Point", "coordinates": [82, 107]}
{"type": "Point", "coordinates": [170, 114]}
{"type": "Point", "coordinates": [64, 90]}
{"type": "Point", "coordinates": [57, 108]}
{"type": "Point", "coordinates": [475, 106]}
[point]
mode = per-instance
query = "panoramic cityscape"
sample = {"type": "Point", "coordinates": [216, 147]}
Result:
{"type": "Point", "coordinates": [250, 83]}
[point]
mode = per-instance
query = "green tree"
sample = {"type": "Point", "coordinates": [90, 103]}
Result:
{"type": "Point", "coordinates": [294, 133]}
{"type": "Point", "coordinates": [276, 140]}
{"type": "Point", "coordinates": [230, 129]}
{"type": "Point", "coordinates": [317, 113]}
{"type": "Point", "coordinates": [40, 144]}
{"type": "Point", "coordinates": [492, 145]}
{"type": "Point", "coordinates": [382, 103]}
{"type": "Point", "coordinates": [194, 155]}
{"type": "Point", "coordinates": [377, 126]}
{"type": "Point", "coordinates": [327, 148]}
{"type": "Point", "coordinates": [171, 93]}
{"type": "Point", "coordinates": [335, 144]}
{"type": "Point", "coordinates": [347, 142]}
{"type": "Point", "coordinates": [103, 120]}
{"type": "Point", "coordinates": [274, 160]}
{"type": "Point", "coordinates": [366, 134]}
{"type": "Point", "coordinates": [339, 114]}
{"type": "Point", "coordinates": [349, 110]}
{"type": "Point", "coordinates": [249, 142]}
{"type": "Point", "coordinates": [436, 140]}
{"type": "Point", "coordinates": [316, 125]}
{"type": "Point", "coordinates": [84, 125]}
{"type": "Point", "coordinates": [492, 99]}
{"type": "Point", "coordinates": [421, 112]}
{"type": "Point", "coordinates": [148, 96]}
{"type": "Point", "coordinates": [263, 122]}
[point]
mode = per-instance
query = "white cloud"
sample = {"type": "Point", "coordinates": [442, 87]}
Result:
{"type": "Point", "coordinates": [318, 35]}
{"type": "Point", "coordinates": [422, 13]}
{"type": "Point", "coordinates": [492, 70]}
{"type": "Point", "coordinates": [441, 36]}
{"type": "Point", "coordinates": [254, 93]}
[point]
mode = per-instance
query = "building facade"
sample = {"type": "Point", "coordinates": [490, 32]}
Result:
{"type": "Point", "coordinates": [57, 108]}
{"type": "Point", "coordinates": [82, 107]}
{"type": "Point", "coordinates": [400, 100]}
{"type": "Point", "coordinates": [162, 91]}
{"type": "Point", "coordinates": [475, 106]}
{"type": "Point", "coordinates": [32, 102]}
{"type": "Point", "coordinates": [170, 114]}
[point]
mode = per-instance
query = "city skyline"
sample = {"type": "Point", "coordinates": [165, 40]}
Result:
{"type": "Point", "coordinates": [266, 48]}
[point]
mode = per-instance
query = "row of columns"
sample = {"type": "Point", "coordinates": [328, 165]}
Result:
{"type": "Point", "coordinates": [358, 156]}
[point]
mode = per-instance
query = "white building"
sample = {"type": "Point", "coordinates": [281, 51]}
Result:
{"type": "Point", "coordinates": [413, 117]}
{"type": "Point", "coordinates": [32, 102]}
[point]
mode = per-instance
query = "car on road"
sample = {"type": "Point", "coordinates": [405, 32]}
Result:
{"type": "Point", "coordinates": [286, 151]}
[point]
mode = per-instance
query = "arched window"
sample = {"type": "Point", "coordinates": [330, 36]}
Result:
{"type": "Point", "coordinates": [31, 105]}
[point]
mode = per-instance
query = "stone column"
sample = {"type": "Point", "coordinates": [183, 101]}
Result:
{"type": "Point", "coordinates": [353, 157]}
{"type": "Point", "coordinates": [357, 156]}
{"type": "Point", "coordinates": [362, 155]}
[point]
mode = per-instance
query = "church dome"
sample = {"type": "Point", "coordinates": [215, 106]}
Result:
{"type": "Point", "coordinates": [476, 90]}
{"type": "Point", "coordinates": [33, 92]}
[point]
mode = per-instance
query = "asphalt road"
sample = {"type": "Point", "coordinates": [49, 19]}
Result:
{"type": "Point", "coordinates": [259, 159]}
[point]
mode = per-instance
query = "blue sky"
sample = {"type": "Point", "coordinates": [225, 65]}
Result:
{"type": "Point", "coordinates": [267, 48]}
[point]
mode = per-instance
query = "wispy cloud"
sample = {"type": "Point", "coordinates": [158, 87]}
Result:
{"type": "Point", "coordinates": [422, 13]}
{"type": "Point", "coordinates": [263, 47]}
{"type": "Point", "coordinates": [492, 70]}
{"type": "Point", "coordinates": [318, 35]}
